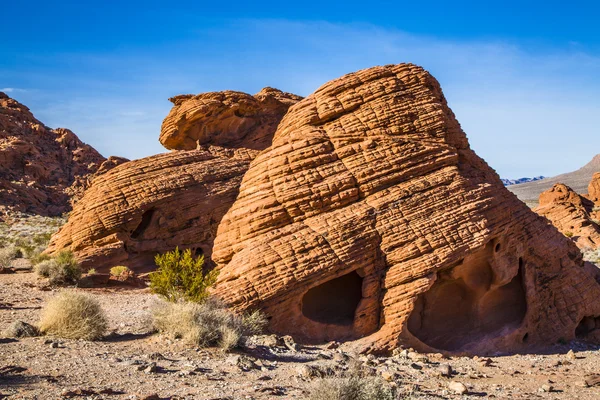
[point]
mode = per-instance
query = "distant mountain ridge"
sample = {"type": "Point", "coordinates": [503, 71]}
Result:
{"type": "Point", "coordinates": [576, 180]}
{"type": "Point", "coordinates": [508, 182]}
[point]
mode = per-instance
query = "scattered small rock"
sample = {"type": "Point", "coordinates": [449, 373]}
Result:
{"type": "Point", "coordinates": [458, 387]}
{"type": "Point", "coordinates": [20, 329]}
{"type": "Point", "coordinates": [289, 342]}
{"type": "Point", "coordinates": [445, 370]}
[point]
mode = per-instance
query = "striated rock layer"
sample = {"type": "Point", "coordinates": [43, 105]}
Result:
{"type": "Point", "coordinates": [229, 119]}
{"type": "Point", "coordinates": [152, 205]}
{"type": "Point", "coordinates": [370, 218]}
{"type": "Point", "coordinates": [571, 214]}
{"type": "Point", "coordinates": [594, 188]}
{"type": "Point", "coordinates": [40, 168]}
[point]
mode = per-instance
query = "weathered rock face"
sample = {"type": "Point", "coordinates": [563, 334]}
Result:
{"type": "Point", "coordinates": [228, 119]}
{"type": "Point", "coordinates": [40, 168]}
{"type": "Point", "coordinates": [594, 188]}
{"type": "Point", "coordinates": [571, 214]}
{"type": "Point", "coordinates": [152, 205]}
{"type": "Point", "coordinates": [370, 218]}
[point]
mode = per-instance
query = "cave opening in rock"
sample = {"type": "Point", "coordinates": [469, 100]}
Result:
{"type": "Point", "coordinates": [586, 326]}
{"type": "Point", "coordinates": [335, 301]}
{"type": "Point", "coordinates": [143, 225]}
{"type": "Point", "coordinates": [464, 306]}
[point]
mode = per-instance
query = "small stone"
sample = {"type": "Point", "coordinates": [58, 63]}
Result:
{"type": "Point", "coordinates": [332, 345]}
{"type": "Point", "coordinates": [445, 370]}
{"type": "Point", "coordinates": [54, 345]}
{"type": "Point", "coordinates": [151, 368]}
{"type": "Point", "coordinates": [458, 387]}
{"type": "Point", "coordinates": [19, 329]}
{"type": "Point", "coordinates": [309, 371]}
{"type": "Point", "coordinates": [546, 389]}
{"type": "Point", "coordinates": [387, 375]}
{"type": "Point", "coordinates": [571, 355]}
{"type": "Point", "coordinates": [288, 341]}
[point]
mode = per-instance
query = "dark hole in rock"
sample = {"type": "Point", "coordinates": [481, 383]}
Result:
{"type": "Point", "coordinates": [335, 301]}
{"type": "Point", "coordinates": [525, 338]}
{"type": "Point", "coordinates": [498, 247]}
{"type": "Point", "coordinates": [143, 225]}
{"type": "Point", "coordinates": [198, 252]}
{"type": "Point", "coordinates": [463, 307]}
{"type": "Point", "coordinates": [587, 326]}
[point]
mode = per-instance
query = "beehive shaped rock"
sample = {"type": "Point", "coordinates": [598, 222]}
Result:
{"type": "Point", "coordinates": [228, 118]}
{"type": "Point", "coordinates": [147, 206]}
{"type": "Point", "coordinates": [41, 169]}
{"type": "Point", "coordinates": [154, 204]}
{"type": "Point", "coordinates": [370, 218]}
{"type": "Point", "coordinates": [571, 214]}
{"type": "Point", "coordinates": [594, 188]}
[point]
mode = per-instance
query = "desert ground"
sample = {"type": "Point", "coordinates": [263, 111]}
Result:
{"type": "Point", "coordinates": [133, 362]}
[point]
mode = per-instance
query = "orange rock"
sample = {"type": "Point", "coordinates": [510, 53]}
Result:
{"type": "Point", "coordinates": [228, 119]}
{"type": "Point", "coordinates": [571, 214]}
{"type": "Point", "coordinates": [594, 188]}
{"type": "Point", "coordinates": [40, 168]}
{"type": "Point", "coordinates": [370, 218]}
{"type": "Point", "coordinates": [147, 206]}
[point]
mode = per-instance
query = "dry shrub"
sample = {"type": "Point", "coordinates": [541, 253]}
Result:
{"type": "Point", "coordinates": [353, 388]}
{"type": "Point", "coordinates": [8, 254]}
{"type": "Point", "coordinates": [120, 270]}
{"type": "Point", "coordinates": [73, 315]}
{"type": "Point", "coordinates": [207, 324]}
{"type": "Point", "coordinates": [63, 269]}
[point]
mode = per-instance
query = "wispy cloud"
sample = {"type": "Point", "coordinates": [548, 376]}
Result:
{"type": "Point", "coordinates": [527, 109]}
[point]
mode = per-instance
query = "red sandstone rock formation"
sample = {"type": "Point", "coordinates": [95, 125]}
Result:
{"type": "Point", "coordinates": [594, 188]}
{"type": "Point", "coordinates": [571, 214]}
{"type": "Point", "coordinates": [229, 119]}
{"type": "Point", "coordinates": [152, 205]}
{"type": "Point", "coordinates": [40, 168]}
{"type": "Point", "coordinates": [370, 218]}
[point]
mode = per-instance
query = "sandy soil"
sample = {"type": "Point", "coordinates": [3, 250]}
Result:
{"type": "Point", "coordinates": [133, 363]}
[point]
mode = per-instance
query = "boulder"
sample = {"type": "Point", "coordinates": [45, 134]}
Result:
{"type": "Point", "coordinates": [573, 215]}
{"type": "Point", "coordinates": [228, 119]}
{"type": "Point", "coordinates": [147, 206]}
{"type": "Point", "coordinates": [40, 168]}
{"type": "Point", "coordinates": [369, 218]}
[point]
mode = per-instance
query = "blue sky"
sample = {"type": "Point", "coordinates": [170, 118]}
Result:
{"type": "Point", "coordinates": [523, 78]}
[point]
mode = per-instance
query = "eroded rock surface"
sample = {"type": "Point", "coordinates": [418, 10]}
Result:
{"type": "Point", "coordinates": [228, 119]}
{"type": "Point", "coordinates": [152, 205]}
{"type": "Point", "coordinates": [571, 214]}
{"type": "Point", "coordinates": [370, 218]}
{"type": "Point", "coordinates": [40, 168]}
{"type": "Point", "coordinates": [594, 188]}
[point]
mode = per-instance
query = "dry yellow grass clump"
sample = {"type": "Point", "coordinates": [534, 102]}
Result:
{"type": "Point", "coordinates": [73, 315]}
{"type": "Point", "coordinates": [206, 324]}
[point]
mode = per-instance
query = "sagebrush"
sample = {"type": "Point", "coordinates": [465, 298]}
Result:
{"type": "Point", "coordinates": [206, 324]}
{"type": "Point", "coordinates": [181, 277]}
{"type": "Point", "coordinates": [62, 269]}
{"type": "Point", "coordinates": [120, 270]}
{"type": "Point", "coordinates": [73, 315]}
{"type": "Point", "coordinates": [352, 388]}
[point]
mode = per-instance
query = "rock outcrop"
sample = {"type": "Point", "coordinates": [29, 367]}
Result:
{"type": "Point", "coordinates": [152, 205]}
{"type": "Point", "coordinates": [571, 214]}
{"type": "Point", "coordinates": [228, 119]}
{"type": "Point", "coordinates": [594, 188]}
{"type": "Point", "coordinates": [40, 168]}
{"type": "Point", "coordinates": [370, 218]}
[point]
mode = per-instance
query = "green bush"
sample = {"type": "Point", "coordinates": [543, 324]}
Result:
{"type": "Point", "coordinates": [181, 277]}
{"type": "Point", "coordinates": [119, 270]}
{"type": "Point", "coordinates": [8, 254]}
{"type": "Point", "coordinates": [569, 234]}
{"type": "Point", "coordinates": [62, 269]}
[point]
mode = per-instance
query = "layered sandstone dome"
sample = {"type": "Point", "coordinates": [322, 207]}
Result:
{"type": "Point", "coordinates": [370, 218]}
{"type": "Point", "coordinates": [594, 188]}
{"type": "Point", "coordinates": [154, 204]}
{"type": "Point", "coordinates": [228, 119]}
{"type": "Point", "coordinates": [41, 169]}
{"type": "Point", "coordinates": [572, 214]}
